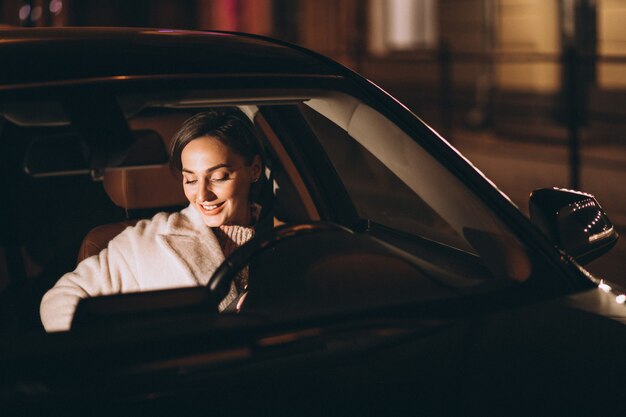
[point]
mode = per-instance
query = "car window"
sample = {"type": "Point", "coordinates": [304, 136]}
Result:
{"type": "Point", "coordinates": [394, 181]}
{"type": "Point", "coordinates": [378, 194]}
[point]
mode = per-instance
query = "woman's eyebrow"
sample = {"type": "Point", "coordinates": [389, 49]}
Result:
{"type": "Point", "coordinates": [213, 168]}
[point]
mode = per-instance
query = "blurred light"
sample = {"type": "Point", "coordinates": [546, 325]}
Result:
{"type": "Point", "coordinates": [56, 6]}
{"type": "Point", "coordinates": [604, 287]}
{"type": "Point", "coordinates": [410, 23]}
{"type": "Point", "coordinates": [620, 299]}
{"type": "Point", "coordinates": [36, 13]}
{"type": "Point", "coordinates": [24, 12]}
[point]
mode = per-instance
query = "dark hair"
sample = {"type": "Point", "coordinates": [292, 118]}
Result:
{"type": "Point", "coordinates": [230, 126]}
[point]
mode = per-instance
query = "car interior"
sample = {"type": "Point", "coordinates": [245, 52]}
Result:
{"type": "Point", "coordinates": [65, 215]}
{"type": "Point", "coordinates": [69, 195]}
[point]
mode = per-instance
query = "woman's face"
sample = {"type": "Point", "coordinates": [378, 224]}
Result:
{"type": "Point", "coordinates": [217, 181]}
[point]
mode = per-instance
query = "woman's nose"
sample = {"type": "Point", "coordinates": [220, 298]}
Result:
{"type": "Point", "coordinates": [205, 193]}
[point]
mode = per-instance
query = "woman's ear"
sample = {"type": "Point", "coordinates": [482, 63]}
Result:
{"type": "Point", "coordinates": [255, 168]}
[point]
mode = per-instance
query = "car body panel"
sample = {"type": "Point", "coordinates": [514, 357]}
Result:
{"type": "Point", "coordinates": [56, 55]}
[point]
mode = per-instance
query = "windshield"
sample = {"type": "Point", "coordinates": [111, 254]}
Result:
{"type": "Point", "coordinates": [392, 181]}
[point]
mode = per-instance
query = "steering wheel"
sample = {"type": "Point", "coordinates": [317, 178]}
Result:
{"type": "Point", "coordinates": [220, 282]}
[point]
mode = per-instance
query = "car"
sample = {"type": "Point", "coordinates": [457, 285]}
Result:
{"type": "Point", "coordinates": [392, 278]}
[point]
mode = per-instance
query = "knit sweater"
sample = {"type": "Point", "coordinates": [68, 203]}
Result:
{"type": "Point", "coordinates": [230, 238]}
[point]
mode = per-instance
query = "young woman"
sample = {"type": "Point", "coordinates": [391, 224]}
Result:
{"type": "Point", "coordinates": [218, 155]}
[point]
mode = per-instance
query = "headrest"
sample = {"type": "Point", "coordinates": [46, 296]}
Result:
{"type": "Point", "coordinates": [151, 186]}
{"type": "Point", "coordinates": [144, 187]}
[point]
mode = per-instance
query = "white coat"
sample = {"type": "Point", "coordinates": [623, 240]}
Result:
{"type": "Point", "coordinates": [168, 251]}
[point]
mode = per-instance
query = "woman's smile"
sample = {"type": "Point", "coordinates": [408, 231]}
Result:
{"type": "Point", "coordinates": [211, 209]}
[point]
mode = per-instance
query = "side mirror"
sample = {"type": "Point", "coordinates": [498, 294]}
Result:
{"type": "Point", "coordinates": [574, 221]}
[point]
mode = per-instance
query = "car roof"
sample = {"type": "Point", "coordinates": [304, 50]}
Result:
{"type": "Point", "coordinates": [53, 55]}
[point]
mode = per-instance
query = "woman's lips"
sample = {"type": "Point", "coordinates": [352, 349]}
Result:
{"type": "Point", "coordinates": [211, 209]}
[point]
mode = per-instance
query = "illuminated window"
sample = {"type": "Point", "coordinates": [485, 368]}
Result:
{"type": "Point", "coordinates": [402, 25]}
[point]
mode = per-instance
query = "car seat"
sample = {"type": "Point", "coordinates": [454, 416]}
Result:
{"type": "Point", "coordinates": [140, 190]}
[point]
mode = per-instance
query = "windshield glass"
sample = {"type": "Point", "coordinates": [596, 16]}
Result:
{"type": "Point", "coordinates": [393, 181]}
